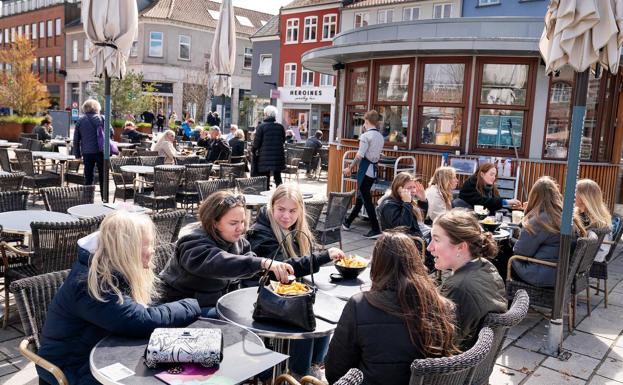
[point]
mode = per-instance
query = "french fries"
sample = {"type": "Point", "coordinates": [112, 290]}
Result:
{"type": "Point", "coordinates": [295, 288]}
{"type": "Point", "coordinates": [352, 262]}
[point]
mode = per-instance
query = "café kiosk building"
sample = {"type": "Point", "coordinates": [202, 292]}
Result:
{"type": "Point", "coordinates": [458, 87]}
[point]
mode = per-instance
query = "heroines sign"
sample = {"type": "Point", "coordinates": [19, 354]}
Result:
{"type": "Point", "coordinates": [323, 95]}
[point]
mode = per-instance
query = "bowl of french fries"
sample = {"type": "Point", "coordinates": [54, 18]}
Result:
{"type": "Point", "coordinates": [351, 266]}
{"type": "Point", "coordinates": [293, 288]}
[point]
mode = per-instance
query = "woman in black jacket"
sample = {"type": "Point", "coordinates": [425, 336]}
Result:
{"type": "Point", "coordinates": [268, 237]}
{"type": "Point", "coordinates": [400, 319]}
{"type": "Point", "coordinates": [214, 255]}
{"type": "Point", "coordinates": [268, 146]}
{"type": "Point", "coordinates": [237, 143]}
{"type": "Point", "coordinates": [402, 205]}
{"type": "Point", "coordinates": [480, 189]}
{"type": "Point", "coordinates": [109, 291]}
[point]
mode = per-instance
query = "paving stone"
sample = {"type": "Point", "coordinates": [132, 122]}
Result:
{"type": "Point", "coordinates": [577, 365]}
{"type": "Point", "coordinates": [587, 344]}
{"type": "Point", "coordinates": [547, 376]}
{"type": "Point", "coordinates": [611, 368]}
{"type": "Point", "coordinates": [603, 322]}
{"type": "Point", "coordinates": [26, 376]}
{"type": "Point", "coordinates": [505, 376]}
{"type": "Point", "coordinates": [616, 353]}
{"type": "Point", "coordinates": [599, 380]}
{"type": "Point", "coordinates": [534, 338]}
{"type": "Point", "coordinates": [10, 333]}
{"type": "Point", "coordinates": [519, 359]}
{"type": "Point", "coordinates": [527, 323]}
{"type": "Point", "coordinates": [7, 368]}
{"type": "Point", "coordinates": [21, 362]}
{"type": "Point", "coordinates": [10, 348]}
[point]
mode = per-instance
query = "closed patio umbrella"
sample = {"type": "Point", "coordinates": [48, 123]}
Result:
{"type": "Point", "coordinates": [578, 33]}
{"type": "Point", "coordinates": [111, 26]}
{"type": "Point", "coordinates": [223, 56]}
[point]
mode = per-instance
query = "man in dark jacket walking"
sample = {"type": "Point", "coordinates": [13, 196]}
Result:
{"type": "Point", "coordinates": [268, 146]}
{"type": "Point", "coordinates": [87, 143]}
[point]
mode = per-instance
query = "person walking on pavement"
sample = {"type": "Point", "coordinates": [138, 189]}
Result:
{"type": "Point", "coordinates": [368, 155]}
{"type": "Point", "coordinates": [268, 146]}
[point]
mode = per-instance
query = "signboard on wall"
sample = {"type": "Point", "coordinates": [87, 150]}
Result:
{"type": "Point", "coordinates": [322, 95]}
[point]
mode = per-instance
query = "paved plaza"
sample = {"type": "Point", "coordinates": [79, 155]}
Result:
{"type": "Point", "coordinates": [596, 345]}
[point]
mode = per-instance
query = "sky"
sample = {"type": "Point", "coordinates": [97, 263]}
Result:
{"type": "Point", "coordinates": [268, 6]}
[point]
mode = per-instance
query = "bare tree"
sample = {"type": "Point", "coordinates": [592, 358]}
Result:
{"type": "Point", "coordinates": [196, 90]}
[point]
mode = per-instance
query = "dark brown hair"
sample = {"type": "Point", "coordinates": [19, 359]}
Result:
{"type": "Point", "coordinates": [400, 180]}
{"type": "Point", "coordinates": [480, 182]}
{"type": "Point", "coordinates": [397, 267]}
{"type": "Point", "coordinates": [372, 116]}
{"type": "Point", "coordinates": [462, 226]}
{"type": "Point", "coordinates": [214, 207]}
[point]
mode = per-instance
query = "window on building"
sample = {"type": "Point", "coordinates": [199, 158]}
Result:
{"type": "Point", "coordinates": [12, 34]}
{"type": "Point", "coordinates": [357, 82]}
{"type": "Point", "coordinates": [310, 28]}
{"type": "Point", "coordinates": [8, 67]}
{"type": "Point", "coordinates": [441, 102]}
{"type": "Point", "coordinates": [289, 75]}
{"type": "Point", "coordinates": [134, 49]}
{"type": "Point", "coordinates": [42, 29]}
{"type": "Point", "coordinates": [156, 48]}
{"type": "Point", "coordinates": [392, 96]}
{"type": "Point", "coordinates": [488, 2]}
{"type": "Point", "coordinates": [33, 66]}
{"type": "Point", "coordinates": [20, 31]}
{"type": "Point", "coordinates": [74, 51]}
{"type": "Point", "coordinates": [248, 58]}
{"type": "Point", "coordinates": [329, 26]}
{"type": "Point", "coordinates": [86, 54]}
{"type": "Point", "coordinates": [292, 31]}
{"type": "Point", "coordinates": [57, 27]}
{"type": "Point", "coordinates": [503, 105]}
{"type": "Point", "coordinates": [57, 63]}
{"type": "Point", "coordinates": [33, 27]}
{"type": "Point", "coordinates": [410, 13]}
{"type": "Point", "coordinates": [50, 65]}
{"type": "Point", "coordinates": [214, 14]}
{"type": "Point", "coordinates": [7, 39]}
{"type": "Point", "coordinates": [27, 31]}
{"type": "Point", "coordinates": [442, 11]}
{"type": "Point", "coordinates": [362, 19]}
{"type": "Point", "coordinates": [184, 47]}
{"type": "Point", "coordinates": [326, 80]}
{"type": "Point", "coordinates": [266, 63]}
{"type": "Point", "coordinates": [245, 21]}
{"type": "Point", "coordinates": [307, 78]}
{"type": "Point", "coordinates": [42, 66]}
{"type": "Point", "coordinates": [384, 16]}
{"type": "Point", "coordinates": [50, 32]}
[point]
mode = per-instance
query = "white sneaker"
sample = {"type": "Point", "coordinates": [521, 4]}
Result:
{"type": "Point", "coordinates": [318, 372]}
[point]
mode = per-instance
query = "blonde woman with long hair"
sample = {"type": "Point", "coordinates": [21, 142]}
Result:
{"type": "Point", "coordinates": [109, 291]}
{"type": "Point", "coordinates": [286, 213]}
{"type": "Point", "coordinates": [589, 202]}
{"type": "Point", "coordinates": [540, 234]}
{"type": "Point", "coordinates": [439, 191]}
{"type": "Point", "coordinates": [165, 147]}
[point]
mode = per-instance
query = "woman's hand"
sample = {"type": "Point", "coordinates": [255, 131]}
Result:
{"type": "Point", "coordinates": [346, 171]}
{"type": "Point", "coordinates": [405, 195]}
{"type": "Point", "coordinates": [281, 270]}
{"type": "Point", "coordinates": [420, 191]}
{"type": "Point", "coordinates": [336, 254]}
{"type": "Point", "coordinates": [514, 203]}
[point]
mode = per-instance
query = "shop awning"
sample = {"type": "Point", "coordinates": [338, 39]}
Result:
{"type": "Point", "coordinates": [517, 36]}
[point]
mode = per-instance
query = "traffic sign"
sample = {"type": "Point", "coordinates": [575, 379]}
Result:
{"type": "Point", "coordinates": [74, 104]}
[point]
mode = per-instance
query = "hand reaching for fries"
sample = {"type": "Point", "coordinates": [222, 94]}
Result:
{"type": "Point", "coordinates": [295, 288]}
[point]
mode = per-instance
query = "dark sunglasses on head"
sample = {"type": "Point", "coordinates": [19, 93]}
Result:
{"type": "Point", "coordinates": [233, 200]}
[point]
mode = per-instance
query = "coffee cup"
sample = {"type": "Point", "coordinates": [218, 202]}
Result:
{"type": "Point", "coordinates": [516, 216]}
{"type": "Point", "coordinates": [479, 209]}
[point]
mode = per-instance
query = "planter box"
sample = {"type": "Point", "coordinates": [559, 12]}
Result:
{"type": "Point", "coordinates": [11, 131]}
{"type": "Point", "coordinates": [28, 127]}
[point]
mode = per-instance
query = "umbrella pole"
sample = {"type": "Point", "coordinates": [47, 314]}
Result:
{"type": "Point", "coordinates": [222, 112]}
{"type": "Point", "coordinates": [107, 126]}
{"type": "Point", "coordinates": [554, 338]}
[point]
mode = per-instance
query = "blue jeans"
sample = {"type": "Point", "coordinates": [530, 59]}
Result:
{"type": "Point", "coordinates": [304, 353]}
{"type": "Point", "coordinates": [209, 312]}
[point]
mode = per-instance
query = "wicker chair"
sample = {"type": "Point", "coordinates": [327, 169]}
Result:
{"type": "Point", "coordinates": [32, 179]}
{"type": "Point", "coordinates": [329, 230]}
{"type": "Point", "coordinates": [599, 270]}
{"type": "Point", "coordinates": [188, 193]}
{"type": "Point", "coordinates": [142, 152]}
{"type": "Point", "coordinates": [185, 160]}
{"type": "Point", "coordinates": [11, 181]}
{"type": "Point", "coordinates": [308, 159]}
{"type": "Point", "coordinates": [128, 152]}
{"type": "Point", "coordinates": [73, 173]}
{"type": "Point", "coordinates": [168, 225]}
{"type": "Point", "coordinates": [324, 161]}
{"type": "Point", "coordinates": [166, 183]}
{"type": "Point", "coordinates": [231, 171]}
{"type": "Point", "coordinates": [5, 161]}
{"type": "Point", "coordinates": [500, 323]}
{"type": "Point", "coordinates": [33, 296]}
{"type": "Point", "coordinates": [293, 157]}
{"type": "Point", "coordinates": [13, 200]}
{"type": "Point", "coordinates": [124, 181]}
{"type": "Point", "coordinates": [585, 250]}
{"type": "Point", "coordinates": [149, 160]}
{"type": "Point", "coordinates": [35, 145]}
{"type": "Point", "coordinates": [55, 248]}
{"type": "Point", "coordinates": [313, 211]}
{"type": "Point", "coordinates": [59, 199]}
{"type": "Point", "coordinates": [163, 252]}
{"type": "Point", "coordinates": [354, 376]}
{"type": "Point", "coordinates": [208, 187]}
{"type": "Point", "coordinates": [455, 370]}
{"type": "Point", "coordinates": [254, 185]}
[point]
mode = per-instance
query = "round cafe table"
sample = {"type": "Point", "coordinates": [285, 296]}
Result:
{"type": "Point", "coordinates": [501, 234]}
{"type": "Point", "coordinates": [255, 200]}
{"type": "Point", "coordinates": [91, 210]}
{"type": "Point", "coordinates": [340, 288]}
{"type": "Point", "coordinates": [18, 222]}
{"type": "Point", "coordinates": [269, 193]}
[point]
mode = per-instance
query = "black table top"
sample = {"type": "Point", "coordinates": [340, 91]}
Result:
{"type": "Point", "coordinates": [344, 288]}
{"type": "Point", "coordinates": [239, 345]}
{"type": "Point", "coordinates": [237, 307]}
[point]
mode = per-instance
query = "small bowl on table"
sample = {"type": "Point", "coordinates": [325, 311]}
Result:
{"type": "Point", "coordinates": [490, 226]}
{"type": "Point", "coordinates": [348, 272]}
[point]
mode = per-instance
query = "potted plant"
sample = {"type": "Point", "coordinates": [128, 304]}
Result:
{"type": "Point", "coordinates": [30, 122]}
{"type": "Point", "coordinates": [10, 127]}
{"type": "Point", "coordinates": [117, 125]}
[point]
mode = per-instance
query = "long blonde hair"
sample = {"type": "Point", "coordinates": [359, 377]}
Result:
{"type": "Point", "coordinates": [442, 178]}
{"type": "Point", "coordinates": [292, 192]}
{"type": "Point", "coordinates": [162, 140]}
{"type": "Point", "coordinates": [119, 251]}
{"type": "Point", "coordinates": [596, 211]}
{"type": "Point", "coordinates": [545, 208]}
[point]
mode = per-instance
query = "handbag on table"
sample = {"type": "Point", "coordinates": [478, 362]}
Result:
{"type": "Point", "coordinates": [185, 345]}
{"type": "Point", "coordinates": [296, 310]}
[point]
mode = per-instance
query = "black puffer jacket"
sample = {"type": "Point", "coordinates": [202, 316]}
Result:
{"type": "Point", "coordinates": [268, 145]}
{"type": "Point", "coordinates": [373, 341]}
{"type": "Point", "coordinates": [264, 244]}
{"type": "Point", "coordinates": [204, 269]}
{"type": "Point", "coordinates": [218, 149]}
{"type": "Point", "coordinates": [237, 146]}
{"type": "Point", "coordinates": [395, 213]}
{"type": "Point", "coordinates": [472, 196]}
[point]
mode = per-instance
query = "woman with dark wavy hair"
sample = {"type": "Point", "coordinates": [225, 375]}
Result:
{"type": "Point", "coordinates": [401, 318]}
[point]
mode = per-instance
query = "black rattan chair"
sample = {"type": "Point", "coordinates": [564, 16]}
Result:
{"type": "Point", "coordinates": [33, 296]}
{"type": "Point", "coordinates": [254, 185]}
{"type": "Point", "coordinates": [59, 199]}
{"type": "Point", "coordinates": [32, 179]}
{"type": "Point", "coordinates": [165, 185]}
{"type": "Point", "coordinates": [124, 181]}
{"type": "Point", "coordinates": [162, 253]}
{"type": "Point", "coordinates": [455, 370]}
{"type": "Point", "coordinates": [329, 229]}
{"type": "Point", "coordinates": [354, 376]}
{"type": "Point", "coordinates": [324, 162]}
{"type": "Point", "coordinates": [208, 187]}
{"type": "Point", "coordinates": [185, 160]}
{"type": "Point", "coordinates": [149, 160]}
{"type": "Point", "coordinates": [143, 152]}
{"type": "Point", "coordinates": [231, 171]}
{"type": "Point", "coordinates": [500, 323]}
{"type": "Point", "coordinates": [73, 173]}
{"type": "Point", "coordinates": [11, 181]}
{"type": "Point", "coordinates": [585, 249]}
{"type": "Point", "coordinates": [168, 225]}
{"type": "Point", "coordinates": [13, 200]}
{"type": "Point", "coordinates": [5, 161]}
{"type": "Point", "coordinates": [293, 157]}
{"type": "Point", "coordinates": [188, 193]}
{"type": "Point", "coordinates": [313, 211]}
{"type": "Point", "coordinates": [599, 269]}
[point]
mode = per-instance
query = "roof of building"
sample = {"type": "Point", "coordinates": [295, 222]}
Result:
{"type": "Point", "coordinates": [271, 28]}
{"type": "Point", "coordinates": [308, 3]}
{"type": "Point", "coordinates": [374, 3]}
{"type": "Point", "coordinates": [205, 13]}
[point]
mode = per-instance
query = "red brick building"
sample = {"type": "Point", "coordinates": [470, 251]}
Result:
{"type": "Point", "coordinates": [306, 100]}
{"type": "Point", "coordinates": [44, 25]}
